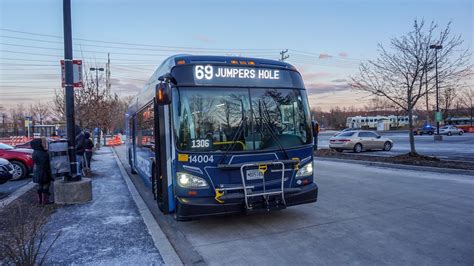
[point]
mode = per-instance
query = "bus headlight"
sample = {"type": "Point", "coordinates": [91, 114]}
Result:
{"type": "Point", "coordinates": [186, 180]}
{"type": "Point", "coordinates": [305, 171]}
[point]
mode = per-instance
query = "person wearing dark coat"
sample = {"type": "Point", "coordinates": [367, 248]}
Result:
{"type": "Point", "coordinates": [89, 146]}
{"type": "Point", "coordinates": [80, 148]}
{"type": "Point", "coordinates": [42, 169]}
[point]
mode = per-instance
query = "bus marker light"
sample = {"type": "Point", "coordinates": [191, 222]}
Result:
{"type": "Point", "coordinates": [243, 62]}
{"type": "Point", "coordinates": [181, 62]}
{"type": "Point", "coordinates": [192, 193]}
{"type": "Point", "coordinates": [251, 63]}
{"type": "Point", "coordinates": [234, 62]}
{"type": "Point", "coordinates": [183, 157]}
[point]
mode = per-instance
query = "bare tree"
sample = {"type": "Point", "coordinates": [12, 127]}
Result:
{"type": "Point", "coordinates": [402, 73]}
{"type": "Point", "coordinates": [17, 116]}
{"type": "Point", "coordinates": [467, 101]}
{"type": "Point", "coordinates": [39, 112]}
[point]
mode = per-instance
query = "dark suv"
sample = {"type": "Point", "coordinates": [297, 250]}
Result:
{"type": "Point", "coordinates": [427, 129]}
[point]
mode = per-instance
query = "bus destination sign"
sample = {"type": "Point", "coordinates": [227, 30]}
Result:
{"type": "Point", "coordinates": [210, 72]}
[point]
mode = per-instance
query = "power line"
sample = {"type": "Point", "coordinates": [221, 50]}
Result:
{"type": "Point", "coordinates": [140, 44]}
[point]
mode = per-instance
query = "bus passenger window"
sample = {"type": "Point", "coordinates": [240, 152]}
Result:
{"type": "Point", "coordinates": [145, 136]}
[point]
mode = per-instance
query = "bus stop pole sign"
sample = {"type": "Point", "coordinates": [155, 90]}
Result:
{"type": "Point", "coordinates": [77, 71]}
{"type": "Point", "coordinates": [438, 117]}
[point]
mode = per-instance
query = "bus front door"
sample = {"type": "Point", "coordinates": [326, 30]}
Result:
{"type": "Point", "coordinates": [162, 179]}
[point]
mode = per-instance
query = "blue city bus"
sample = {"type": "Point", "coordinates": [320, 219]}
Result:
{"type": "Point", "coordinates": [214, 135]}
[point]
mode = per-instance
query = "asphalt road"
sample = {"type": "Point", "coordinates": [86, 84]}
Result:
{"type": "Point", "coordinates": [459, 148]}
{"type": "Point", "coordinates": [364, 215]}
{"type": "Point", "coordinates": [11, 186]}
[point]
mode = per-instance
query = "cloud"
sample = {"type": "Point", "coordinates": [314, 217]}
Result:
{"type": "Point", "coordinates": [203, 38]}
{"type": "Point", "coordinates": [339, 80]}
{"type": "Point", "coordinates": [307, 76]}
{"type": "Point", "coordinates": [124, 86]}
{"type": "Point", "coordinates": [324, 56]}
{"type": "Point", "coordinates": [343, 54]}
{"type": "Point", "coordinates": [321, 88]}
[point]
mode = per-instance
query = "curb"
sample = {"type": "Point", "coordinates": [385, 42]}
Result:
{"type": "Point", "coordinates": [161, 242]}
{"type": "Point", "coordinates": [401, 166]}
{"type": "Point", "coordinates": [18, 193]}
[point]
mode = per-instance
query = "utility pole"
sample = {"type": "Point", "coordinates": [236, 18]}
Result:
{"type": "Point", "coordinates": [107, 73]}
{"type": "Point", "coordinates": [69, 80]}
{"type": "Point", "coordinates": [283, 55]}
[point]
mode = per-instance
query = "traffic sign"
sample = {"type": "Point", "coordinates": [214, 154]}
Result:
{"type": "Point", "coordinates": [438, 116]}
{"type": "Point", "coordinates": [77, 73]}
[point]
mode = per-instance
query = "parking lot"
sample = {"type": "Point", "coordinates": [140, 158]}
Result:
{"type": "Point", "coordinates": [460, 148]}
{"type": "Point", "coordinates": [364, 215]}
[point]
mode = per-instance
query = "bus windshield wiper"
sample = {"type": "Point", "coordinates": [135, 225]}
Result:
{"type": "Point", "coordinates": [266, 121]}
{"type": "Point", "coordinates": [234, 138]}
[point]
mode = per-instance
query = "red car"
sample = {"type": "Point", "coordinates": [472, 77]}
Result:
{"type": "Point", "coordinates": [20, 159]}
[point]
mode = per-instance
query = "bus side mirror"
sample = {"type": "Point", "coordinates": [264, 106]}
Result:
{"type": "Point", "coordinates": [163, 93]}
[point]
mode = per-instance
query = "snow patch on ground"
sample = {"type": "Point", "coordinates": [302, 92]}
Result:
{"type": "Point", "coordinates": [119, 220]}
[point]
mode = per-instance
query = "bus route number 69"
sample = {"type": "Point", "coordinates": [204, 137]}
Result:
{"type": "Point", "coordinates": [201, 72]}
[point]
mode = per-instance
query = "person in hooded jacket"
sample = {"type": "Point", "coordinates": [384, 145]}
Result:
{"type": "Point", "coordinates": [89, 148]}
{"type": "Point", "coordinates": [80, 148]}
{"type": "Point", "coordinates": [42, 169]}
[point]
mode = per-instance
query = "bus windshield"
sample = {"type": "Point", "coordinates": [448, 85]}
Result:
{"type": "Point", "coordinates": [240, 119]}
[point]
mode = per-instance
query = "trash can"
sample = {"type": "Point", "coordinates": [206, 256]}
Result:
{"type": "Point", "coordinates": [59, 159]}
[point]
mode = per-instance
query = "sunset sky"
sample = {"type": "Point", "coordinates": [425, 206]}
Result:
{"type": "Point", "coordinates": [326, 40]}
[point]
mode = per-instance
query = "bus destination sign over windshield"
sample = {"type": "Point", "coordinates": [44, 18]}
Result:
{"type": "Point", "coordinates": [209, 72]}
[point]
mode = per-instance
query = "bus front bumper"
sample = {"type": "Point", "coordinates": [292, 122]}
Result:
{"type": "Point", "coordinates": [189, 207]}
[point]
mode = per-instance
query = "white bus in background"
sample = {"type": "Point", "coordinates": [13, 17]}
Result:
{"type": "Point", "coordinates": [373, 122]}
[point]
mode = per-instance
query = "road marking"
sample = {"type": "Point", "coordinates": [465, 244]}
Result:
{"type": "Point", "coordinates": [161, 242]}
{"type": "Point", "coordinates": [18, 193]}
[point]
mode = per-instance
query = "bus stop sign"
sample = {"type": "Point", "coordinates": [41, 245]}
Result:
{"type": "Point", "coordinates": [438, 117]}
{"type": "Point", "coordinates": [77, 73]}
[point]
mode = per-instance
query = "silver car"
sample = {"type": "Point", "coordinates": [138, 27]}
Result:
{"type": "Point", "coordinates": [450, 130]}
{"type": "Point", "coordinates": [359, 140]}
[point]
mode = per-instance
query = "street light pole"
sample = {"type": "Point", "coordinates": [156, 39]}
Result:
{"type": "Point", "coordinates": [436, 48]}
{"type": "Point", "coordinates": [97, 77]}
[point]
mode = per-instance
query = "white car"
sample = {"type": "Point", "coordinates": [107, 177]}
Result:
{"type": "Point", "coordinates": [450, 130]}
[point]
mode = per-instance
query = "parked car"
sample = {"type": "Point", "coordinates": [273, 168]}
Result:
{"type": "Point", "coordinates": [359, 140]}
{"type": "Point", "coordinates": [20, 159]}
{"type": "Point", "coordinates": [6, 171]}
{"type": "Point", "coordinates": [450, 130]}
{"type": "Point", "coordinates": [26, 145]}
{"type": "Point", "coordinates": [427, 129]}
{"type": "Point", "coordinates": [345, 130]}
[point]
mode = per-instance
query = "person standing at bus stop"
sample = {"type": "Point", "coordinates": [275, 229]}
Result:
{"type": "Point", "coordinates": [80, 148]}
{"type": "Point", "coordinates": [89, 146]}
{"type": "Point", "coordinates": [42, 169]}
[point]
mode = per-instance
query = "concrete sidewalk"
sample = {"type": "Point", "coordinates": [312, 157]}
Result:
{"type": "Point", "coordinates": [110, 229]}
